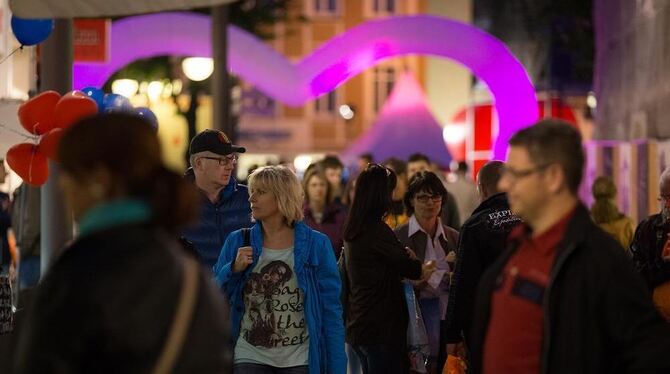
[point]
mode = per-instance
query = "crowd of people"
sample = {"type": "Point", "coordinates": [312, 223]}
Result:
{"type": "Point", "coordinates": [201, 274]}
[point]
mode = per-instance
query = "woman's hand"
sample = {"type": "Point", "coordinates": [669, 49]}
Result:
{"type": "Point", "coordinates": [427, 269]}
{"type": "Point", "coordinates": [243, 259]}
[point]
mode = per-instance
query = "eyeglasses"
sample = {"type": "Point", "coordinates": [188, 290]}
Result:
{"type": "Point", "coordinates": [426, 198]}
{"type": "Point", "coordinates": [514, 175]}
{"type": "Point", "coordinates": [223, 161]}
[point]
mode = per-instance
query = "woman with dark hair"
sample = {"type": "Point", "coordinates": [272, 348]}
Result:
{"type": "Point", "coordinates": [123, 296]}
{"type": "Point", "coordinates": [430, 239]}
{"type": "Point", "coordinates": [375, 263]}
{"type": "Point", "coordinates": [282, 283]}
{"type": "Point", "coordinates": [321, 212]}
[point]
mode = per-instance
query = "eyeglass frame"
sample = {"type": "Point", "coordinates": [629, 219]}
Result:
{"type": "Point", "coordinates": [426, 197]}
{"type": "Point", "coordinates": [223, 161]}
{"type": "Point", "coordinates": [515, 175]}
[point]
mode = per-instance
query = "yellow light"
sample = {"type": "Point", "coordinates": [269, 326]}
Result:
{"type": "Point", "coordinates": [197, 68]}
{"type": "Point", "coordinates": [125, 87]}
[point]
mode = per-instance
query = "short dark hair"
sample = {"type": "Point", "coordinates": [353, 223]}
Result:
{"type": "Point", "coordinates": [554, 141]}
{"type": "Point", "coordinates": [397, 165]}
{"type": "Point", "coordinates": [332, 162]}
{"type": "Point", "coordinates": [426, 181]}
{"type": "Point", "coordinates": [489, 175]}
{"type": "Point", "coordinates": [415, 157]}
{"type": "Point", "coordinates": [367, 156]}
{"type": "Point", "coordinates": [372, 200]}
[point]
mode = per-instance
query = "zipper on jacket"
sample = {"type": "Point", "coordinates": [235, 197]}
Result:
{"type": "Point", "coordinates": [546, 334]}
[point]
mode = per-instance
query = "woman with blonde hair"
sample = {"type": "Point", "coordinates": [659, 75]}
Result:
{"type": "Point", "coordinates": [606, 214]}
{"type": "Point", "coordinates": [285, 273]}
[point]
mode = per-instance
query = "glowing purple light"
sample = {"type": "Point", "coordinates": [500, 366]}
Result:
{"type": "Point", "coordinates": [331, 65]}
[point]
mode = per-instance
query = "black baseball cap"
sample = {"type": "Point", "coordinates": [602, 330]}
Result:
{"type": "Point", "coordinates": [213, 141]}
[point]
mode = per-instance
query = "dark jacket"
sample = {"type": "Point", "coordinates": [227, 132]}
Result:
{"type": "Point", "coordinates": [108, 302]}
{"type": "Point", "coordinates": [26, 219]}
{"type": "Point", "coordinates": [598, 314]}
{"type": "Point", "coordinates": [647, 246]}
{"type": "Point", "coordinates": [232, 212]}
{"type": "Point", "coordinates": [375, 308]}
{"type": "Point", "coordinates": [483, 238]}
{"type": "Point", "coordinates": [332, 224]}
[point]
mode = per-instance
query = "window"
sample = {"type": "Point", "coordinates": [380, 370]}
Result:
{"type": "Point", "coordinates": [325, 105]}
{"type": "Point", "coordinates": [325, 7]}
{"type": "Point", "coordinates": [384, 78]}
{"type": "Point", "coordinates": [383, 6]}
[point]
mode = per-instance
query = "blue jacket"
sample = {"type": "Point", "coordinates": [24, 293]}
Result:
{"type": "Point", "coordinates": [318, 278]}
{"type": "Point", "coordinates": [232, 212]}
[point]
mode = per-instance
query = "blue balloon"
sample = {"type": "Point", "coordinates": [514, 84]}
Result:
{"type": "Point", "coordinates": [31, 31]}
{"type": "Point", "coordinates": [148, 115]}
{"type": "Point", "coordinates": [96, 94]}
{"type": "Point", "coordinates": [116, 101]}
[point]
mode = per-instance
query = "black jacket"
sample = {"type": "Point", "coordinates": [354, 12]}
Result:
{"type": "Point", "coordinates": [598, 314]}
{"type": "Point", "coordinates": [375, 264]}
{"type": "Point", "coordinates": [647, 246]}
{"type": "Point", "coordinates": [108, 302]}
{"type": "Point", "coordinates": [483, 238]}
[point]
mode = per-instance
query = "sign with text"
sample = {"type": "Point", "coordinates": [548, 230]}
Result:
{"type": "Point", "coordinates": [91, 40]}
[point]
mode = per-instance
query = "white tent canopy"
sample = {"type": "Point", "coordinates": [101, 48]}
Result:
{"type": "Point", "coordinates": [101, 8]}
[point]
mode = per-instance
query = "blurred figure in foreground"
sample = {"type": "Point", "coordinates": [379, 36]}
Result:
{"type": "Point", "coordinates": [124, 297]}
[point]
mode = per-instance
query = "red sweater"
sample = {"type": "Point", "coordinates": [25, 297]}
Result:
{"type": "Point", "coordinates": [514, 337]}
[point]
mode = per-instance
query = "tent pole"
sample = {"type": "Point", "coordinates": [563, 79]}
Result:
{"type": "Point", "coordinates": [56, 57]}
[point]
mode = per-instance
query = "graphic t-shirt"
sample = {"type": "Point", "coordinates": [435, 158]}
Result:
{"type": "Point", "coordinates": [273, 330]}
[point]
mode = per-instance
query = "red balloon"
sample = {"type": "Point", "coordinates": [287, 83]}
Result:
{"type": "Point", "coordinates": [72, 107]}
{"type": "Point", "coordinates": [29, 163]}
{"type": "Point", "coordinates": [36, 114]}
{"type": "Point", "coordinates": [49, 143]}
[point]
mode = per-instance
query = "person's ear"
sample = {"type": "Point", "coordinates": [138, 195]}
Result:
{"type": "Point", "coordinates": [555, 178]}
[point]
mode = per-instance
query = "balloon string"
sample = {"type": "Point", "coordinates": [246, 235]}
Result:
{"type": "Point", "coordinates": [34, 138]}
{"type": "Point", "coordinates": [10, 55]}
{"type": "Point", "coordinates": [30, 167]}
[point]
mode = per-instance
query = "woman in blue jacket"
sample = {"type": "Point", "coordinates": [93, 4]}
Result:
{"type": "Point", "coordinates": [283, 285]}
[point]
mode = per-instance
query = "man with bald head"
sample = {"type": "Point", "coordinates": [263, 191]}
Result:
{"type": "Point", "coordinates": [482, 238]}
{"type": "Point", "coordinates": [651, 249]}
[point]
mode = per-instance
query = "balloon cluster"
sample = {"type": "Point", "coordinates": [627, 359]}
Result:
{"type": "Point", "coordinates": [48, 114]}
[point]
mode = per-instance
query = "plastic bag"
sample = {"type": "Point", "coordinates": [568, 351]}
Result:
{"type": "Point", "coordinates": [417, 339]}
{"type": "Point", "coordinates": [454, 365]}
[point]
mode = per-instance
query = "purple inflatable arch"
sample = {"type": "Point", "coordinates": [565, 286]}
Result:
{"type": "Point", "coordinates": [334, 63]}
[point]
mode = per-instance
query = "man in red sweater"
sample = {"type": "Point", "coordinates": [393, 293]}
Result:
{"type": "Point", "coordinates": [563, 298]}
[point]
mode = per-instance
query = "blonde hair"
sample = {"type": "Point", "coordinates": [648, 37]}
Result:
{"type": "Point", "coordinates": [604, 209]}
{"type": "Point", "coordinates": [284, 186]}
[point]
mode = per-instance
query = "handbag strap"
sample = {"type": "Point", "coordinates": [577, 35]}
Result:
{"type": "Point", "coordinates": [246, 234]}
{"type": "Point", "coordinates": [182, 318]}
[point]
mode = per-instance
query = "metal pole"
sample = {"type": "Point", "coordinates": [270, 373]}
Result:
{"type": "Point", "coordinates": [220, 81]}
{"type": "Point", "coordinates": [56, 57]}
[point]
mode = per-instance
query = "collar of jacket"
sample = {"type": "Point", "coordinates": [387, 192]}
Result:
{"type": "Point", "coordinates": [491, 201]}
{"type": "Point", "coordinates": [419, 240]}
{"type": "Point", "coordinates": [300, 245]}
{"type": "Point", "coordinates": [114, 213]}
{"type": "Point", "coordinates": [225, 193]}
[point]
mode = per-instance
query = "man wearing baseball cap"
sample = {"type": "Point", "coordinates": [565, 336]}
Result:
{"type": "Point", "coordinates": [225, 203]}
